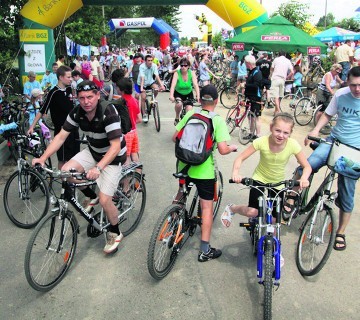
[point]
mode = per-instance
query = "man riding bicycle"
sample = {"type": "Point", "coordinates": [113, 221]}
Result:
{"type": "Point", "coordinates": [148, 76]}
{"type": "Point", "coordinates": [104, 155]}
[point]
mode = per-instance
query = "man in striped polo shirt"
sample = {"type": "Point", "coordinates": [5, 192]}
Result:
{"type": "Point", "coordinates": [104, 155]}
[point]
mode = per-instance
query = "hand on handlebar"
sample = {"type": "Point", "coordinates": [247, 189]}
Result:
{"type": "Point", "coordinates": [311, 133]}
{"type": "Point", "coordinates": [172, 99]}
{"type": "Point", "coordinates": [236, 178]}
{"type": "Point", "coordinates": [30, 131]}
{"type": "Point", "coordinates": [304, 183]}
{"type": "Point", "coordinates": [93, 174]}
{"type": "Point", "coordinates": [39, 161]}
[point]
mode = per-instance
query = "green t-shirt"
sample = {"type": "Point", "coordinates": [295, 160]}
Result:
{"type": "Point", "coordinates": [221, 133]}
{"type": "Point", "coordinates": [271, 168]}
{"type": "Point", "coordinates": [184, 87]}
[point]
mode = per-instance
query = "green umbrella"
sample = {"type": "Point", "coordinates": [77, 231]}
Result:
{"type": "Point", "coordinates": [274, 35]}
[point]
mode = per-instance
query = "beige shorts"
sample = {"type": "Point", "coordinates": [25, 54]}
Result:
{"type": "Point", "coordinates": [277, 88]}
{"type": "Point", "coordinates": [109, 176]}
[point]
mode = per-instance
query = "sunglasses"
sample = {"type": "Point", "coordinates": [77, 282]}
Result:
{"type": "Point", "coordinates": [87, 87]}
{"type": "Point", "coordinates": [183, 65]}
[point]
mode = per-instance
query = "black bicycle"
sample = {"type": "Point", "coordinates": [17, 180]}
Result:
{"type": "Point", "coordinates": [51, 248]}
{"type": "Point", "coordinates": [176, 224]}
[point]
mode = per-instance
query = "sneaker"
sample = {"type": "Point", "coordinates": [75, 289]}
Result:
{"type": "Point", "coordinates": [248, 137]}
{"type": "Point", "coordinates": [211, 254]}
{"type": "Point", "coordinates": [254, 136]}
{"type": "Point", "coordinates": [112, 242]}
{"type": "Point", "coordinates": [92, 203]}
{"type": "Point", "coordinates": [145, 118]}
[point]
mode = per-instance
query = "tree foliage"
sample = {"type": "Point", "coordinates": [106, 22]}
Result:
{"type": "Point", "coordinates": [349, 24]}
{"type": "Point", "coordinates": [217, 40]}
{"type": "Point", "coordinates": [295, 12]}
{"type": "Point", "coordinates": [330, 20]}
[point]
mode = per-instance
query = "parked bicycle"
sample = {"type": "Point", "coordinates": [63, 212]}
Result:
{"type": "Point", "coordinates": [176, 224]}
{"type": "Point", "coordinates": [51, 248]}
{"type": "Point", "coordinates": [265, 236]}
{"type": "Point", "coordinates": [242, 117]}
{"type": "Point", "coordinates": [288, 101]}
{"type": "Point", "coordinates": [305, 110]}
{"type": "Point", "coordinates": [152, 105]}
{"type": "Point", "coordinates": [229, 97]}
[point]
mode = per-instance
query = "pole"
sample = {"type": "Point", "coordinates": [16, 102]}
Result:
{"type": "Point", "coordinates": [325, 13]}
{"type": "Point", "coordinates": [103, 14]}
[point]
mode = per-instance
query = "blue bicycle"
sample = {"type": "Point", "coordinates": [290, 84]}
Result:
{"type": "Point", "coordinates": [265, 235]}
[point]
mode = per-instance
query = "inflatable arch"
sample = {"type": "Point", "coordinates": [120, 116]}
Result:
{"type": "Point", "coordinates": [160, 26]}
{"type": "Point", "coordinates": [41, 16]}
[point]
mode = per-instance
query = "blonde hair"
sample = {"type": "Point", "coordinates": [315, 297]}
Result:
{"type": "Point", "coordinates": [336, 66]}
{"type": "Point", "coordinates": [284, 116]}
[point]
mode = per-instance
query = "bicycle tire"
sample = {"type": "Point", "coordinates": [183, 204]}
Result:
{"type": "Point", "coordinates": [219, 193]}
{"type": "Point", "coordinates": [288, 103]}
{"type": "Point", "coordinates": [268, 272]}
{"type": "Point", "coordinates": [229, 97]}
{"type": "Point", "coordinates": [161, 253]}
{"type": "Point", "coordinates": [147, 106]}
{"type": "Point", "coordinates": [32, 202]}
{"type": "Point", "coordinates": [45, 267]}
{"type": "Point", "coordinates": [156, 114]}
{"type": "Point", "coordinates": [231, 119]}
{"type": "Point", "coordinates": [133, 185]}
{"type": "Point", "coordinates": [245, 131]}
{"type": "Point", "coordinates": [304, 111]}
{"type": "Point", "coordinates": [311, 253]}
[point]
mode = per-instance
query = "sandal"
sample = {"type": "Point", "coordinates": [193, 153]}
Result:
{"type": "Point", "coordinates": [340, 242]}
{"type": "Point", "coordinates": [290, 209]}
{"type": "Point", "coordinates": [226, 216]}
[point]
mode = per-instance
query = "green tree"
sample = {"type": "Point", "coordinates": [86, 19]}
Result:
{"type": "Point", "coordinates": [330, 20]}
{"type": "Point", "coordinates": [349, 24]}
{"type": "Point", "coordinates": [184, 41]}
{"type": "Point", "coordinates": [217, 40]}
{"type": "Point", "coordinates": [295, 12]}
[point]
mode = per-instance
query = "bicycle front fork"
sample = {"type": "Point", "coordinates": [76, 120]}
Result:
{"type": "Point", "coordinates": [276, 251]}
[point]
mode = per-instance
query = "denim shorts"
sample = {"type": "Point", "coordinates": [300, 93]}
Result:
{"type": "Point", "coordinates": [346, 186]}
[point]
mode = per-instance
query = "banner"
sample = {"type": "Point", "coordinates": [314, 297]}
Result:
{"type": "Point", "coordinates": [132, 23]}
{"type": "Point", "coordinates": [34, 58]}
{"type": "Point", "coordinates": [238, 46]}
{"type": "Point", "coordinates": [33, 35]}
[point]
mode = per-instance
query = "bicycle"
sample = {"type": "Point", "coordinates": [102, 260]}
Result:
{"type": "Point", "coordinates": [229, 96]}
{"type": "Point", "coordinates": [288, 101]}
{"type": "Point", "coordinates": [241, 116]}
{"type": "Point", "coordinates": [265, 236]}
{"type": "Point", "coordinates": [305, 110]}
{"type": "Point", "coordinates": [152, 105]}
{"type": "Point", "coordinates": [184, 104]}
{"type": "Point", "coordinates": [176, 224]}
{"type": "Point", "coordinates": [317, 232]}
{"type": "Point", "coordinates": [52, 246]}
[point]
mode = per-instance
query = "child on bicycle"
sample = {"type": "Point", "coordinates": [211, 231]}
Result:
{"type": "Point", "coordinates": [275, 151]}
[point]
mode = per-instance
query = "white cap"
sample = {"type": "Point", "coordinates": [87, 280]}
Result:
{"type": "Point", "coordinates": [36, 92]}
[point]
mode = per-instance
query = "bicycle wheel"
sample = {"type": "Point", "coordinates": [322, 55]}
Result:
{"type": "Point", "coordinates": [304, 111]}
{"type": "Point", "coordinates": [50, 251]}
{"type": "Point", "coordinates": [268, 272]}
{"type": "Point", "coordinates": [156, 115]}
{"type": "Point", "coordinates": [231, 119]}
{"type": "Point", "coordinates": [315, 242]}
{"type": "Point", "coordinates": [247, 129]}
{"type": "Point", "coordinates": [162, 253]}
{"type": "Point", "coordinates": [26, 198]}
{"type": "Point", "coordinates": [218, 194]}
{"type": "Point", "coordinates": [288, 103]}
{"type": "Point", "coordinates": [133, 186]}
{"type": "Point", "coordinates": [229, 97]}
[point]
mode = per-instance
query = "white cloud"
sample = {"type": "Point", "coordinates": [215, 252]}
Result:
{"type": "Point", "coordinates": [189, 27]}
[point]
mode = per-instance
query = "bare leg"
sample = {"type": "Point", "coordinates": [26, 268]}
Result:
{"type": "Point", "coordinates": [344, 218]}
{"type": "Point", "coordinates": [110, 209]}
{"type": "Point", "coordinates": [207, 219]}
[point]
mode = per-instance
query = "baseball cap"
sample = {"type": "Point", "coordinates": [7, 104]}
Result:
{"type": "Point", "coordinates": [31, 74]}
{"type": "Point", "coordinates": [209, 93]}
{"type": "Point", "coordinates": [36, 92]}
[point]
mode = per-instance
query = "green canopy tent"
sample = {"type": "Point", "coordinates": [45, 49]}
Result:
{"type": "Point", "coordinates": [274, 35]}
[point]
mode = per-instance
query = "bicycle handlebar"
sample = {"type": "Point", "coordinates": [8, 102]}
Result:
{"type": "Point", "coordinates": [63, 174]}
{"type": "Point", "coordinates": [250, 182]}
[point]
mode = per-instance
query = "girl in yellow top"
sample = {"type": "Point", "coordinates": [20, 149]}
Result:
{"type": "Point", "coordinates": [275, 151]}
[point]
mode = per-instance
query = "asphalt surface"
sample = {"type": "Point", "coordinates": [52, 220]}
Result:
{"type": "Point", "coordinates": [120, 287]}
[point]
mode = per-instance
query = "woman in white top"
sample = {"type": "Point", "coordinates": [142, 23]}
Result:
{"type": "Point", "coordinates": [326, 87]}
{"type": "Point", "coordinates": [204, 71]}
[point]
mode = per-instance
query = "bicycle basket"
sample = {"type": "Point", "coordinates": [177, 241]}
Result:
{"type": "Point", "coordinates": [339, 149]}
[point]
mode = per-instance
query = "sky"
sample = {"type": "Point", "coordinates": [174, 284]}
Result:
{"type": "Point", "coordinates": [189, 26]}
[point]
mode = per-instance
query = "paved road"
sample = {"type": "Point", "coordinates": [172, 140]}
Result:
{"type": "Point", "coordinates": [121, 287]}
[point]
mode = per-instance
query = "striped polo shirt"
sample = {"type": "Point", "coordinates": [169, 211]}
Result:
{"type": "Point", "coordinates": [98, 131]}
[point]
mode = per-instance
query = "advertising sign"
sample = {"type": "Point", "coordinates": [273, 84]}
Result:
{"type": "Point", "coordinates": [238, 46]}
{"type": "Point", "coordinates": [314, 51]}
{"type": "Point", "coordinates": [275, 38]}
{"type": "Point", "coordinates": [34, 58]}
{"type": "Point", "coordinates": [131, 23]}
{"type": "Point", "coordinates": [33, 35]}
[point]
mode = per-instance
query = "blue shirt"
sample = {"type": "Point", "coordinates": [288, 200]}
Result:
{"type": "Point", "coordinates": [234, 67]}
{"type": "Point", "coordinates": [53, 79]}
{"type": "Point", "coordinates": [45, 80]}
{"type": "Point", "coordinates": [29, 86]}
{"type": "Point", "coordinates": [147, 73]}
{"type": "Point", "coordinates": [297, 79]}
{"type": "Point", "coordinates": [242, 71]}
{"type": "Point", "coordinates": [347, 107]}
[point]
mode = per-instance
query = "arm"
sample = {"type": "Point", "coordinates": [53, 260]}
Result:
{"type": "Point", "coordinates": [327, 83]}
{"type": "Point", "coordinates": [224, 148]}
{"type": "Point", "coordinates": [304, 179]}
{"type": "Point", "coordinates": [238, 161]}
{"type": "Point", "coordinates": [158, 80]}
{"type": "Point", "coordinates": [208, 70]}
{"type": "Point", "coordinates": [195, 85]}
{"type": "Point", "coordinates": [54, 146]}
{"type": "Point", "coordinates": [128, 72]}
{"type": "Point", "coordinates": [36, 119]}
{"type": "Point", "coordinates": [173, 85]}
{"type": "Point", "coordinates": [324, 119]}
{"type": "Point", "coordinates": [109, 156]}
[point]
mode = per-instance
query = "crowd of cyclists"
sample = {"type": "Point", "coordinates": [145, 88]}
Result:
{"type": "Point", "coordinates": [80, 86]}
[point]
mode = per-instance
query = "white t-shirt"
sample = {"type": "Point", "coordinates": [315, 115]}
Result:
{"type": "Point", "coordinates": [281, 66]}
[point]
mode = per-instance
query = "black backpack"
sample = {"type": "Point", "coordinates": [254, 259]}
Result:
{"type": "Point", "coordinates": [123, 111]}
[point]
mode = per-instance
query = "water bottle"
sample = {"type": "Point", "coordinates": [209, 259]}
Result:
{"type": "Point", "coordinates": [7, 127]}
